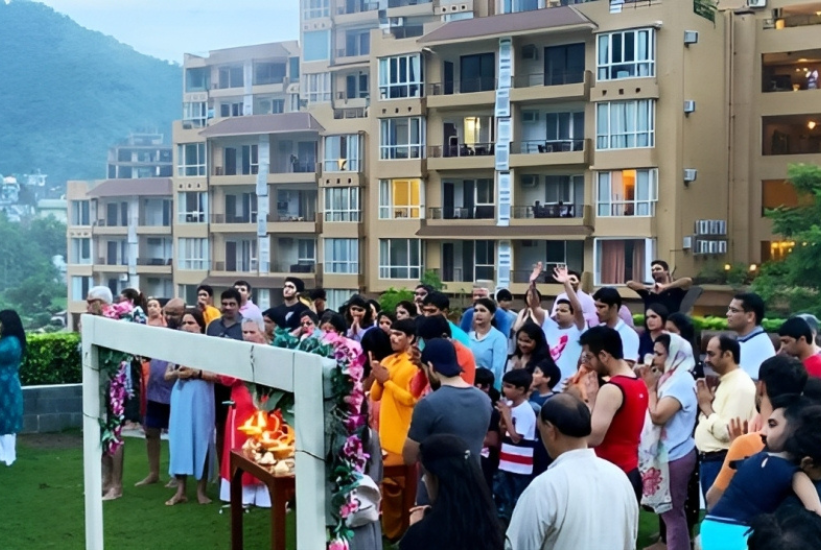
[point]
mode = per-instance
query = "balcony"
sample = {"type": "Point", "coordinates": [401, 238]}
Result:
{"type": "Point", "coordinates": [409, 8]}
{"type": "Point", "coordinates": [248, 266]}
{"type": "Point", "coordinates": [525, 154]}
{"type": "Point", "coordinates": [461, 156]}
{"type": "Point", "coordinates": [352, 6]}
{"type": "Point", "coordinates": [482, 212]}
{"type": "Point", "coordinates": [793, 29]}
{"type": "Point", "coordinates": [561, 219]}
{"type": "Point", "coordinates": [791, 135]}
{"type": "Point", "coordinates": [149, 265]}
{"type": "Point", "coordinates": [103, 227]}
{"type": "Point", "coordinates": [564, 86]}
{"type": "Point", "coordinates": [462, 93]}
{"type": "Point", "coordinates": [301, 266]}
{"type": "Point", "coordinates": [286, 223]}
{"type": "Point", "coordinates": [547, 211]}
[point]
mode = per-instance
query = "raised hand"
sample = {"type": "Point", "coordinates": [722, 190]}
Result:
{"type": "Point", "coordinates": [560, 274]}
{"type": "Point", "coordinates": [738, 428]}
{"type": "Point", "coordinates": [537, 272]}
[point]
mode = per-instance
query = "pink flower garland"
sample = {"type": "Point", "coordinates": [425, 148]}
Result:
{"type": "Point", "coordinates": [116, 396]}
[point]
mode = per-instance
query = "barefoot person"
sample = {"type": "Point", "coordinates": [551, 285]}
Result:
{"type": "Point", "coordinates": [191, 425]}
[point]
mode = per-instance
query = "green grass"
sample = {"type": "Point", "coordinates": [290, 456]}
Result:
{"type": "Point", "coordinates": [41, 498]}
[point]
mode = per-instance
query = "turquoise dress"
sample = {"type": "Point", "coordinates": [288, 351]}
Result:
{"type": "Point", "coordinates": [11, 393]}
{"type": "Point", "coordinates": [191, 428]}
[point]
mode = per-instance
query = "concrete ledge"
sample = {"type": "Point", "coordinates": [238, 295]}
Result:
{"type": "Point", "coordinates": [52, 408]}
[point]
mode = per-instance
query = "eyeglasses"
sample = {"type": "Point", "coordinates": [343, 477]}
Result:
{"type": "Point", "coordinates": [734, 310]}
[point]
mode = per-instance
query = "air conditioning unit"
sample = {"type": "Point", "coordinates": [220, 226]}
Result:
{"type": "Point", "coordinates": [689, 107]}
{"type": "Point", "coordinates": [756, 3]}
{"type": "Point", "coordinates": [397, 21]}
{"type": "Point", "coordinates": [690, 37]}
{"type": "Point", "coordinates": [123, 277]}
{"type": "Point", "coordinates": [529, 182]}
{"type": "Point", "coordinates": [687, 243]}
{"type": "Point", "coordinates": [530, 52]}
{"type": "Point", "coordinates": [530, 117]}
{"type": "Point", "coordinates": [690, 175]}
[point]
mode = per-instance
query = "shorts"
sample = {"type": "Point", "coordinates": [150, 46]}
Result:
{"type": "Point", "coordinates": [157, 415]}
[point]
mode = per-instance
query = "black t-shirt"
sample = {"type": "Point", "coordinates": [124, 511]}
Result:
{"type": "Point", "coordinates": [670, 298]}
{"type": "Point", "coordinates": [288, 316]}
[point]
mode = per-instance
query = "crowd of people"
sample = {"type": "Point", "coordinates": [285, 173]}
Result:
{"type": "Point", "coordinates": [546, 428]}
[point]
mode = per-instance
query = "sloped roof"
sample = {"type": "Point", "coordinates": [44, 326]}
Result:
{"type": "Point", "coordinates": [263, 124]}
{"type": "Point", "coordinates": [156, 187]}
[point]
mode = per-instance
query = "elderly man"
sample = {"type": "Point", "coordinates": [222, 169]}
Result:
{"type": "Point", "coordinates": [174, 311]}
{"type": "Point", "coordinates": [99, 297]}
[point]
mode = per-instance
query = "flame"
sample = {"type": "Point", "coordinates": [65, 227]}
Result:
{"type": "Point", "coordinates": [269, 431]}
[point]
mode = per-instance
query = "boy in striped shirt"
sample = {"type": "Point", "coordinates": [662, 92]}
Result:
{"type": "Point", "coordinates": [518, 426]}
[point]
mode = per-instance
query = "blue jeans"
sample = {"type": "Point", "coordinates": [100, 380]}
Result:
{"type": "Point", "coordinates": [507, 488]}
{"type": "Point", "coordinates": [708, 472]}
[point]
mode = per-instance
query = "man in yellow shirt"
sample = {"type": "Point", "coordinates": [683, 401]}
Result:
{"type": "Point", "coordinates": [392, 390]}
{"type": "Point", "coordinates": [205, 302]}
{"type": "Point", "coordinates": [734, 398]}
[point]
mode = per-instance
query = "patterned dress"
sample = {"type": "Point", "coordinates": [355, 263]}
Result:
{"type": "Point", "coordinates": [11, 393]}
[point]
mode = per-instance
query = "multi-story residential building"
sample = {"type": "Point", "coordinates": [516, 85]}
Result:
{"type": "Point", "coordinates": [477, 137]}
{"type": "Point", "coordinates": [140, 155]}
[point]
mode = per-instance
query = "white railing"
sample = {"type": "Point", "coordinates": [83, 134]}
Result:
{"type": "Point", "coordinates": [260, 364]}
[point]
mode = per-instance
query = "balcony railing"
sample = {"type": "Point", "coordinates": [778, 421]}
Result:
{"type": "Point", "coordinates": [356, 7]}
{"type": "Point", "coordinates": [301, 266]}
{"type": "Point", "coordinates": [793, 20]}
{"type": "Point", "coordinates": [456, 274]}
{"type": "Point", "coordinates": [548, 211]}
{"type": "Point", "coordinates": [356, 112]}
{"type": "Point", "coordinates": [463, 86]}
{"type": "Point", "coordinates": [158, 262]}
{"type": "Point", "coordinates": [112, 261]}
{"type": "Point", "coordinates": [221, 171]}
{"type": "Point", "coordinates": [403, 3]}
{"type": "Point", "coordinates": [237, 267]}
{"type": "Point", "coordinates": [546, 146]}
{"type": "Point", "coordinates": [112, 223]}
{"type": "Point", "coordinates": [461, 150]}
{"type": "Point", "coordinates": [548, 79]}
{"type": "Point", "coordinates": [482, 212]}
{"type": "Point", "coordinates": [233, 218]}
{"type": "Point", "coordinates": [351, 52]}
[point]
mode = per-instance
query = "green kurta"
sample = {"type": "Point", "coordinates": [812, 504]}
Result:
{"type": "Point", "coordinates": [11, 393]}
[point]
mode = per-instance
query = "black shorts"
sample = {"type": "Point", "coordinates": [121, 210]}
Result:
{"type": "Point", "coordinates": [157, 415]}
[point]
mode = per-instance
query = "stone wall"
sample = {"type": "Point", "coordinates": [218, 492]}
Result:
{"type": "Point", "coordinates": [52, 408]}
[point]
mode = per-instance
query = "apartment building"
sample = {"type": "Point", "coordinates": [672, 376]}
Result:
{"type": "Point", "coordinates": [140, 155]}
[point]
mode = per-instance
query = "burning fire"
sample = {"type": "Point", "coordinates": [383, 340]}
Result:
{"type": "Point", "coordinates": [270, 441]}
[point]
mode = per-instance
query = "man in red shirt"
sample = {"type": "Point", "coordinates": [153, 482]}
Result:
{"type": "Point", "coordinates": [796, 340]}
{"type": "Point", "coordinates": [619, 406]}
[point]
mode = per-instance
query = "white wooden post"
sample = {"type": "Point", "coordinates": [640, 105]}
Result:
{"type": "Point", "coordinates": [291, 371]}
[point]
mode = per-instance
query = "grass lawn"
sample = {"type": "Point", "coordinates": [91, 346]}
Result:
{"type": "Point", "coordinates": [41, 498]}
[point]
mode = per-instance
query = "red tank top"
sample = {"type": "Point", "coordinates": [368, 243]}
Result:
{"type": "Point", "coordinates": [621, 442]}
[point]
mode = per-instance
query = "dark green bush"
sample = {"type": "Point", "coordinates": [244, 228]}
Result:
{"type": "Point", "coordinates": [52, 359]}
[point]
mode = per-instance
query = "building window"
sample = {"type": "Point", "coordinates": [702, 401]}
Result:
{"type": "Point", "coordinates": [80, 251]}
{"type": "Point", "coordinates": [192, 207]}
{"type": "Point", "coordinates": [468, 261]}
{"type": "Point", "coordinates": [356, 86]}
{"type": "Point", "coordinates": [342, 153]}
{"type": "Point", "coordinates": [195, 113]}
{"type": "Point", "coordinates": [627, 193]}
{"type": "Point", "coordinates": [775, 251]}
{"type": "Point", "coordinates": [625, 124]}
{"type": "Point", "coordinates": [342, 256]}
{"type": "Point", "coordinates": [191, 159]}
{"type": "Point", "coordinates": [569, 253]}
{"type": "Point", "coordinates": [188, 293]}
{"type": "Point", "coordinates": [198, 80]}
{"type": "Point", "coordinates": [401, 138]}
{"type": "Point", "coordinates": [192, 254]}
{"type": "Point", "coordinates": [337, 297]}
{"type": "Point", "coordinates": [357, 42]}
{"type": "Point", "coordinates": [342, 204]}
{"type": "Point", "coordinates": [80, 287]}
{"type": "Point", "coordinates": [269, 73]}
{"type": "Point", "coordinates": [781, 193]}
{"type": "Point", "coordinates": [400, 259]}
{"type": "Point", "coordinates": [80, 213]}
{"type": "Point", "coordinates": [400, 76]}
{"type": "Point", "coordinates": [515, 6]}
{"type": "Point", "coordinates": [621, 260]}
{"type": "Point", "coordinates": [316, 45]}
{"type": "Point", "coordinates": [317, 87]}
{"type": "Point", "coordinates": [242, 159]}
{"type": "Point", "coordinates": [551, 252]}
{"type": "Point", "coordinates": [626, 54]}
{"type": "Point", "coordinates": [268, 106]}
{"type": "Point", "coordinates": [477, 73]}
{"type": "Point", "coordinates": [400, 199]}
{"type": "Point", "coordinates": [315, 9]}
{"type": "Point", "coordinates": [231, 77]}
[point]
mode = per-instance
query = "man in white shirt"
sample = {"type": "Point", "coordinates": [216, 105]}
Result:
{"type": "Point", "coordinates": [581, 502]}
{"type": "Point", "coordinates": [588, 305]}
{"type": "Point", "coordinates": [564, 328]}
{"type": "Point", "coordinates": [744, 316]}
{"type": "Point", "coordinates": [608, 303]}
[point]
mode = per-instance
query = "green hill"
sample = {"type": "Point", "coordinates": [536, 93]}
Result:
{"type": "Point", "coordinates": [68, 93]}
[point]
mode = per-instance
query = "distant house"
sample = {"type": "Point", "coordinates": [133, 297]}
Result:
{"type": "Point", "coordinates": [58, 208]}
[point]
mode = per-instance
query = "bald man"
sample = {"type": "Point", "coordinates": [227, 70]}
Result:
{"type": "Point", "coordinates": [174, 311]}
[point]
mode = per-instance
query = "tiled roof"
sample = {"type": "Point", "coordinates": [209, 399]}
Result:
{"type": "Point", "coordinates": [507, 24]}
{"type": "Point", "coordinates": [263, 124]}
{"type": "Point", "coordinates": [142, 187]}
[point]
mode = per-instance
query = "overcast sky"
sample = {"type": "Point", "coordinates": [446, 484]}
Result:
{"type": "Point", "coordinates": [169, 28]}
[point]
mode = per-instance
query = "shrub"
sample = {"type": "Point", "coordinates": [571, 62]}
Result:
{"type": "Point", "coordinates": [52, 359]}
{"type": "Point", "coordinates": [392, 296]}
{"type": "Point", "coordinates": [716, 323]}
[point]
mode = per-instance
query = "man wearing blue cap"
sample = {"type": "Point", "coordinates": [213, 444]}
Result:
{"type": "Point", "coordinates": [455, 408]}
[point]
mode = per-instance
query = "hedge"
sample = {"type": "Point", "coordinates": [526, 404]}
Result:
{"type": "Point", "coordinates": [716, 323]}
{"type": "Point", "coordinates": [52, 359]}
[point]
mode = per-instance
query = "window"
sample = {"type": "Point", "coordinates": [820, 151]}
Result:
{"type": "Point", "coordinates": [357, 42]}
{"type": "Point", "coordinates": [400, 76]}
{"type": "Point", "coordinates": [232, 108]}
{"type": "Point", "coordinates": [401, 138]}
{"type": "Point", "coordinates": [269, 73]}
{"type": "Point", "coordinates": [80, 287]}
{"type": "Point", "coordinates": [241, 255]}
{"type": "Point", "coordinates": [192, 253]}
{"type": "Point", "coordinates": [342, 256]}
{"type": "Point", "coordinates": [563, 64]}
{"type": "Point", "coordinates": [400, 258]}
{"type": "Point", "coordinates": [192, 207]}
{"type": "Point", "coordinates": [569, 253]}
{"type": "Point", "coordinates": [484, 257]}
{"type": "Point", "coordinates": [316, 45]}
{"type": "Point", "coordinates": [195, 113]}
{"type": "Point", "coordinates": [269, 106]}
{"type": "Point", "coordinates": [515, 6]}
{"type": "Point", "coordinates": [342, 204]}
{"type": "Point", "coordinates": [314, 9]}
{"type": "Point", "coordinates": [778, 193]}
{"type": "Point", "coordinates": [187, 293]}
{"type": "Point", "coordinates": [337, 297]}
{"type": "Point", "coordinates": [80, 252]}
{"type": "Point", "coordinates": [80, 213]}
{"type": "Point", "coordinates": [231, 77]}
{"type": "Point", "coordinates": [306, 252]}
{"type": "Point", "coordinates": [477, 73]}
{"type": "Point", "coordinates": [356, 86]}
{"type": "Point", "coordinates": [317, 87]}
{"type": "Point", "coordinates": [467, 199]}
{"type": "Point", "coordinates": [567, 190]}
{"type": "Point", "coordinates": [400, 199]}
{"type": "Point", "coordinates": [342, 153]}
{"type": "Point", "coordinates": [155, 212]}
{"type": "Point", "coordinates": [198, 80]}
{"type": "Point", "coordinates": [565, 131]}
{"type": "Point", "coordinates": [625, 124]}
{"type": "Point", "coordinates": [775, 250]}
{"type": "Point", "coordinates": [627, 193]}
{"type": "Point", "coordinates": [620, 260]}
{"type": "Point", "coordinates": [243, 159]}
{"type": "Point", "coordinates": [191, 159]}
{"type": "Point", "coordinates": [626, 54]}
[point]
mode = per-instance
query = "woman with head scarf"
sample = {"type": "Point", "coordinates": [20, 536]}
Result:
{"type": "Point", "coordinates": [667, 455]}
{"type": "Point", "coordinates": [12, 351]}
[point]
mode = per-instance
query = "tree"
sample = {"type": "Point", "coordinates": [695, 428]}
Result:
{"type": "Point", "coordinates": [794, 283]}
